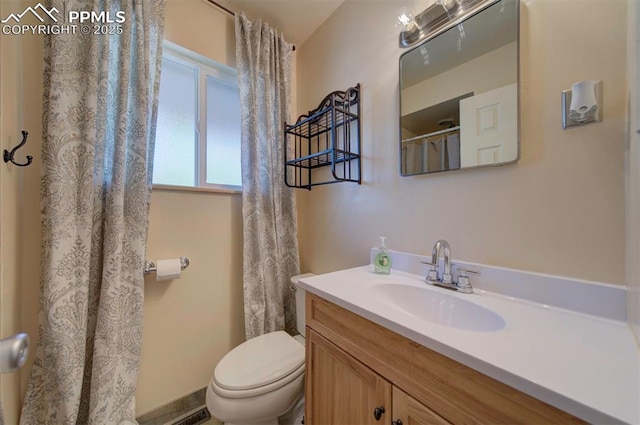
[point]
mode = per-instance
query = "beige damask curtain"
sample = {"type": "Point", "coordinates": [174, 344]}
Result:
{"type": "Point", "coordinates": [100, 103]}
{"type": "Point", "coordinates": [268, 206]}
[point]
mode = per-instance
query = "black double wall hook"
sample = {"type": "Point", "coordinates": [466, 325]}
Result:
{"type": "Point", "coordinates": [8, 156]}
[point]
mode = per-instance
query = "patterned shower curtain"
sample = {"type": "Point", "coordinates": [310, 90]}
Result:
{"type": "Point", "coordinates": [100, 104]}
{"type": "Point", "coordinates": [268, 206]}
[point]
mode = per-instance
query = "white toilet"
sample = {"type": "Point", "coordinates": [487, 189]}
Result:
{"type": "Point", "coordinates": [262, 379]}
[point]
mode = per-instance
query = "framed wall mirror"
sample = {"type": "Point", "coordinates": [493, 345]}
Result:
{"type": "Point", "coordinates": [459, 103]}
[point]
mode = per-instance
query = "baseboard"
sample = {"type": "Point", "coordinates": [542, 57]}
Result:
{"type": "Point", "coordinates": [177, 411]}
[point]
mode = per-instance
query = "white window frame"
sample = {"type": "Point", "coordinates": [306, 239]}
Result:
{"type": "Point", "coordinates": [204, 67]}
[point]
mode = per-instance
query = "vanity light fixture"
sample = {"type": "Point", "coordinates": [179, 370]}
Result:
{"type": "Point", "coordinates": [582, 104]}
{"type": "Point", "coordinates": [441, 14]}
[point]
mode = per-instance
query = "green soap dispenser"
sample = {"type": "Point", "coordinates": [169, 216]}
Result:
{"type": "Point", "coordinates": [382, 260]}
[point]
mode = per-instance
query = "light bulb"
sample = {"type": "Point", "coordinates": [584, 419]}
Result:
{"type": "Point", "coordinates": [405, 18]}
{"type": "Point", "coordinates": [447, 4]}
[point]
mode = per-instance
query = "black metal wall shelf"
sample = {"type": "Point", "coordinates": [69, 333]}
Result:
{"type": "Point", "coordinates": [327, 136]}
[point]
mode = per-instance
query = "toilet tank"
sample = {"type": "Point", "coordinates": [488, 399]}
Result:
{"type": "Point", "coordinates": [300, 301]}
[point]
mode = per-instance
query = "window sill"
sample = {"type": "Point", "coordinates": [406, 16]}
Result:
{"type": "Point", "coordinates": [166, 187]}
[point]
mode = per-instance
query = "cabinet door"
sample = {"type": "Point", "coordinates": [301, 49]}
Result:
{"type": "Point", "coordinates": [409, 411]}
{"type": "Point", "coordinates": [340, 389]}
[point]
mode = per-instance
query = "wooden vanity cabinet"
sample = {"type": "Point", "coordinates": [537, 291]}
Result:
{"type": "Point", "coordinates": [411, 412]}
{"type": "Point", "coordinates": [354, 366]}
{"type": "Point", "coordinates": [343, 390]}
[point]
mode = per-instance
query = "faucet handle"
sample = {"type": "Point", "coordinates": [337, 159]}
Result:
{"type": "Point", "coordinates": [432, 275]}
{"type": "Point", "coordinates": [463, 272]}
{"type": "Point", "coordinates": [463, 284]}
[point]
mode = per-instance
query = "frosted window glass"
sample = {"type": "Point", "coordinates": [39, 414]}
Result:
{"type": "Point", "coordinates": [176, 135]}
{"type": "Point", "coordinates": [223, 134]}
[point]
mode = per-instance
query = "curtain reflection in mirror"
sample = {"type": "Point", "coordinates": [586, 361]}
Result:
{"type": "Point", "coordinates": [431, 153]}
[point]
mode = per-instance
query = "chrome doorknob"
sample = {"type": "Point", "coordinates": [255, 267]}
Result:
{"type": "Point", "coordinates": [13, 352]}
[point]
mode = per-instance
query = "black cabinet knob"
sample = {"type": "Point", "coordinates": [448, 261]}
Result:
{"type": "Point", "coordinates": [377, 412]}
{"type": "Point", "coordinates": [396, 422]}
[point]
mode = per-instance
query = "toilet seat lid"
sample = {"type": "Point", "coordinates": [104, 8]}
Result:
{"type": "Point", "coordinates": [259, 361]}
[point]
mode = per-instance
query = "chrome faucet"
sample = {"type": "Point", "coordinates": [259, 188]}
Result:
{"type": "Point", "coordinates": [443, 247]}
{"type": "Point", "coordinates": [463, 285]}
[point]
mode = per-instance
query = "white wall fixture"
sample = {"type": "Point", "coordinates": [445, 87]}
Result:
{"type": "Point", "coordinates": [582, 104]}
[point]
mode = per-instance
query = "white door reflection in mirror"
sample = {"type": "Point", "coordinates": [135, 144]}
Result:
{"type": "Point", "coordinates": [488, 125]}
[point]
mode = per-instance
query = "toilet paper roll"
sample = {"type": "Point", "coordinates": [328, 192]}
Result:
{"type": "Point", "coordinates": [168, 269]}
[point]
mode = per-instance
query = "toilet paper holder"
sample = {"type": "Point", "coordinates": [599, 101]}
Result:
{"type": "Point", "coordinates": [150, 266]}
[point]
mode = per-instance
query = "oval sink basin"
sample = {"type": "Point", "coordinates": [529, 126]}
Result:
{"type": "Point", "coordinates": [437, 307]}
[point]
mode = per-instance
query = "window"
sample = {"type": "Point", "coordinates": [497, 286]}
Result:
{"type": "Point", "coordinates": [198, 130]}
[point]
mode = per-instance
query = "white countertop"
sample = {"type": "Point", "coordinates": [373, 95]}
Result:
{"type": "Point", "coordinates": [583, 364]}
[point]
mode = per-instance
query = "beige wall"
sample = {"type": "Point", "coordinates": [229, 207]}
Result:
{"type": "Point", "coordinates": [30, 193]}
{"type": "Point", "coordinates": [10, 273]}
{"type": "Point", "coordinates": [190, 323]}
{"type": "Point", "coordinates": [20, 109]}
{"type": "Point", "coordinates": [560, 210]}
{"type": "Point", "coordinates": [202, 28]}
{"type": "Point", "coordinates": [633, 172]}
